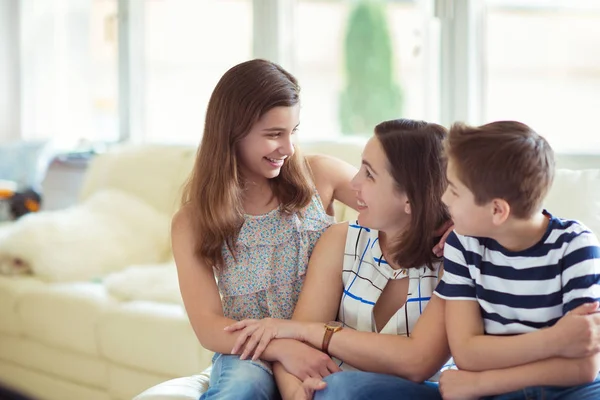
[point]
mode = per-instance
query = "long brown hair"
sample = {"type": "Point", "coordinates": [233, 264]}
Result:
{"type": "Point", "coordinates": [213, 192]}
{"type": "Point", "coordinates": [414, 150]}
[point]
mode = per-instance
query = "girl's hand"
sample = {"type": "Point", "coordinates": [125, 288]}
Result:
{"type": "Point", "coordinates": [304, 361]}
{"type": "Point", "coordinates": [308, 389]}
{"type": "Point", "coordinates": [460, 385]}
{"type": "Point", "coordinates": [256, 334]}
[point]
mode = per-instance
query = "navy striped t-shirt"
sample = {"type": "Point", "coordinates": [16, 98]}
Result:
{"type": "Point", "coordinates": [523, 291]}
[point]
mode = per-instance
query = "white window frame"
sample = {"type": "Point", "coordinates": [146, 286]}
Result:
{"type": "Point", "coordinates": [10, 71]}
{"type": "Point", "coordinates": [462, 70]}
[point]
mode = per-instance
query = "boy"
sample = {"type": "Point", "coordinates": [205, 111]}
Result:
{"type": "Point", "coordinates": [513, 271]}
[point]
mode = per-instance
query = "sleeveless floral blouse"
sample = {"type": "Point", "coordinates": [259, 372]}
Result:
{"type": "Point", "coordinates": [272, 255]}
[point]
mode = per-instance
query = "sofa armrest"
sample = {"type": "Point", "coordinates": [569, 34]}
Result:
{"type": "Point", "coordinates": [186, 388]}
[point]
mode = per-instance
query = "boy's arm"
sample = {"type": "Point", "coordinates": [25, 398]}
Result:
{"type": "Point", "coordinates": [471, 348]}
{"type": "Point", "coordinates": [564, 372]}
{"type": "Point", "coordinates": [474, 351]}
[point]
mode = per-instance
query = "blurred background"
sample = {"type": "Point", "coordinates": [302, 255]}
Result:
{"type": "Point", "coordinates": [104, 71]}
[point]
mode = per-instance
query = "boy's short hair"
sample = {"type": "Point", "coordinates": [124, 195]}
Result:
{"type": "Point", "coordinates": [504, 159]}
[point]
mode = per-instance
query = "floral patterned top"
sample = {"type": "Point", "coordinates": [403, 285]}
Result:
{"type": "Point", "coordinates": [272, 255]}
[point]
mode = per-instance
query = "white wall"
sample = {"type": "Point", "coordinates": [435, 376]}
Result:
{"type": "Point", "coordinates": [10, 98]}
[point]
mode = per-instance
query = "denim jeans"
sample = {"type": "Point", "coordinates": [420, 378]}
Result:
{"type": "Point", "coordinates": [235, 379]}
{"type": "Point", "coordinates": [369, 385]}
{"type": "Point", "coordinates": [590, 391]}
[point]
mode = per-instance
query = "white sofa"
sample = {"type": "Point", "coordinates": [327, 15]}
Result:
{"type": "Point", "coordinates": [575, 194]}
{"type": "Point", "coordinates": [83, 340]}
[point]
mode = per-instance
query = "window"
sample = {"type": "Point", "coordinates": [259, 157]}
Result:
{"type": "Point", "coordinates": [542, 67]}
{"type": "Point", "coordinates": [393, 38]}
{"type": "Point", "coordinates": [69, 89]}
{"type": "Point", "coordinates": [529, 60]}
{"type": "Point", "coordinates": [189, 44]}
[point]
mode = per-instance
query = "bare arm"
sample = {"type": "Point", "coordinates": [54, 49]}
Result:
{"type": "Point", "coordinates": [554, 371]}
{"type": "Point", "coordinates": [332, 178]}
{"type": "Point", "coordinates": [475, 351]}
{"type": "Point", "coordinates": [201, 296]}
{"type": "Point", "coordinates": [416, 358]}
{"type": "Point", "coordinates": [321, 293]}
{"type": "Point", "coordinates": [550, 372]}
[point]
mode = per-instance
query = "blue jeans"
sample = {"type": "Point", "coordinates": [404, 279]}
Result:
{"type": "Point", "coordinates": [235, 379]}
{"type": "Point", "coordinates": [590, 391]}
{"type": "Point", "coordinates": [369, 385]}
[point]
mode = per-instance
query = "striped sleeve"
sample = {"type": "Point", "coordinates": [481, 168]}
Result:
{"type": "Point", "coordinates": [581, 271]}
{"type": "Point", "coordinates": [456, 284]}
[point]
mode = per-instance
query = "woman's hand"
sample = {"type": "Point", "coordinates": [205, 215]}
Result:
{"type": "Point", "coordinates": [446, 229]}
{"type": "Point", "coordinates": [257, 333]}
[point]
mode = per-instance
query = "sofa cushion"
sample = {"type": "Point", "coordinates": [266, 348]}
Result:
{"type": "Point", "coordinates": [125, 383]}
{"type": "Point", "coordinates": [64, 315]}
{"type": "Point", "coordinates": [153, 337]}
{"type": "Point", "coordinates": [154, 173]}
{"type": "Point", "coordinates": [575, 194]}
{"type": "Point", "coordinates": [40, 385]}
{"type": "Point", "coordinates": [75, 367]}
{"type": "Point", "coordinates": [11, 289]}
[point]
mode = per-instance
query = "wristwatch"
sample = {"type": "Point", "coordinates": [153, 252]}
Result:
{"type": "Point", "coordinates": [331, 327]}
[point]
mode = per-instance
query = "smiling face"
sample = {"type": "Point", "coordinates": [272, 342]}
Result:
{"type": "Point", "coordinates": [263, 152]}
{"type": "Point", "coordinates": [381, 205]}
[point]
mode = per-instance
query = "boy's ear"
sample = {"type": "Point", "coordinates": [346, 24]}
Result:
{"type": "Point", "coordinates": [500, 211]}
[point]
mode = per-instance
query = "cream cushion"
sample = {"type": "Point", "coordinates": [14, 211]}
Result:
{"type": "Point", "coordinates": [575, 194]}
{"type": "Point", "coordinates": [188, 388]}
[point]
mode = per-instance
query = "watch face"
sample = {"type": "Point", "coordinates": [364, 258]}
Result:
{"type": "Point", "coordinates": [334, 324]}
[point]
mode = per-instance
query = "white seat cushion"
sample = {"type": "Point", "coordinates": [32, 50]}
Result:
{"type": "Point", "coordinates": [11, 290]}
{"type": "Point", "coordinates": [188, 388]}
{"type": "Point", "coordinates": [152, 337]}
{"type": "Point", "coordinates": [64, 315]}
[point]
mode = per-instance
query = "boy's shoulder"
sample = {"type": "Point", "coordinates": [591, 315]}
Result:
{"type": "Point", "coordinates": [569, 231]}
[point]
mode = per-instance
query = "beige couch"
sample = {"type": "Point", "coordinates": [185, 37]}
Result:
{"type": "Point", "coordinates": [82, 340]}
{"type": "Point", "coordinates": [85, 340]}
{"type": "Point", "coordinates": [575, 194]}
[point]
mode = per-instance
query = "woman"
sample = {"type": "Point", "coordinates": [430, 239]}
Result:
{"type": "Point", "coordinates": [376, 277]}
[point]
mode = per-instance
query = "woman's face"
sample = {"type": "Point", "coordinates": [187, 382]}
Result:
{"type": "Point", "coordinates": [381, 205]}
